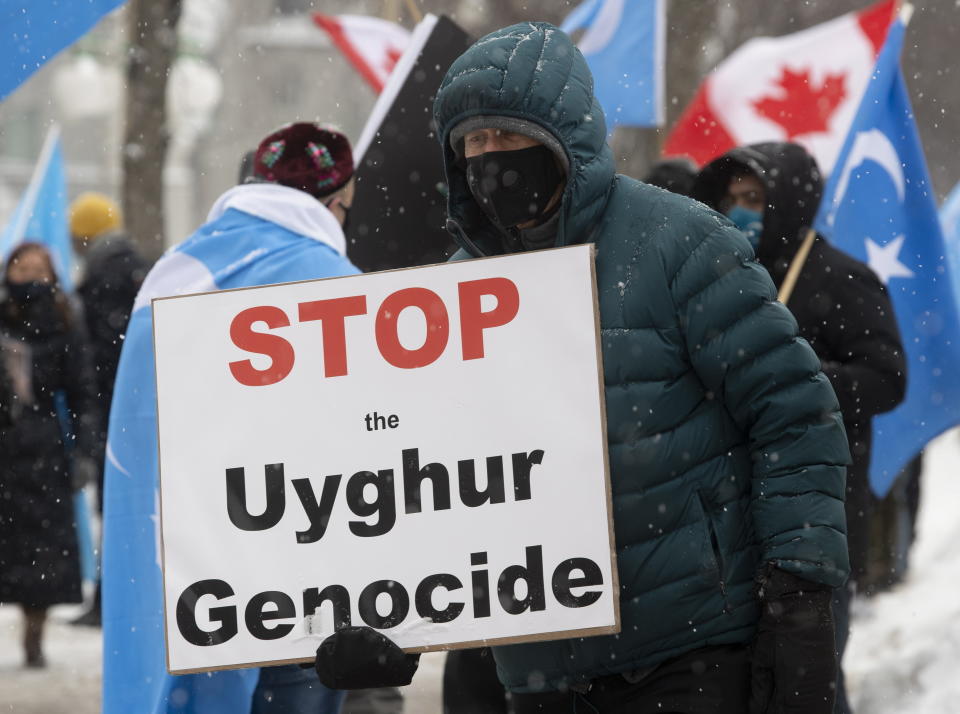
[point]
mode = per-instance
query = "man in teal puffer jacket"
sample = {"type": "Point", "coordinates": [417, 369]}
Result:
{"type": "Point", "coordinates": [727, 450]}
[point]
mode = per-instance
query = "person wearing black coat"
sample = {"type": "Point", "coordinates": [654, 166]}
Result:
{"type": "Point", "coordinates": [772, 192]}
{"type": "Point", "coordinates": [113, 271]}
{"type": "Point", "coordinates": [48, 421]}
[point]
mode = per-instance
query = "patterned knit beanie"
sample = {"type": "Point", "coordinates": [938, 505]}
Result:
{"type": "Point", "coordinates": [305, 156]}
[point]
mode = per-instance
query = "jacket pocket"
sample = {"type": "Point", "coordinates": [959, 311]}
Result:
{"type": "Point", "coordinates": [716, 551]}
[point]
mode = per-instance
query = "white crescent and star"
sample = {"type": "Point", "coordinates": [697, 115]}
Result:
{"type": "Point", "coordinates": [873, 145]}
{"type": "Point", "coordinates": [884, 260]}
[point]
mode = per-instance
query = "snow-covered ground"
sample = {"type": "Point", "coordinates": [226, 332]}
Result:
{"type": "Point", "coordinates": [904, 651]}
{"type": "Point", "coordinates": [903, 657]}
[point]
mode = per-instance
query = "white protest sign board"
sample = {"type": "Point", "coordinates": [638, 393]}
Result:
{"type": "Point", "coordinates": [422, 451]}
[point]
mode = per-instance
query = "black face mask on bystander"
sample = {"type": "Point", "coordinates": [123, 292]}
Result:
{"type": "Point", "coordinates": [513, 187]}
{"type": "Point", "coordinates": [31, 293]}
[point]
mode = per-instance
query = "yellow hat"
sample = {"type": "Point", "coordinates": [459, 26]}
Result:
{"type": "Point", "coordinates": [93, 214]}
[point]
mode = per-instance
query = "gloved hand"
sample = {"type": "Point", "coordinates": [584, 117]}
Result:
{"type": "Point", "coordinates": [83, 470]}
{"type": "Point", "coordinates": [363, 658]}
{"type": "Point", "coordinates": [794, 663]}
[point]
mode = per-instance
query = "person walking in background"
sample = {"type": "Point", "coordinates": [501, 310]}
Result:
{"type": "Point", "coordinates": [48, 422]}
{"type": "Point", "coordinates": [112, 271]}
{"type": "Point", "coordinates": [772, 192]}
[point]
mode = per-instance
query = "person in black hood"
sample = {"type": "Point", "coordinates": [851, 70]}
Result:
{"type": "Point", "coordinates": [113, 270]}
{"type": "Point", "coordinates": [772, 192]}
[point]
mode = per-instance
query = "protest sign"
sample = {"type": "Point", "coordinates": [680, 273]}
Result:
{"type": "Point", "coordinates": [422, 451]}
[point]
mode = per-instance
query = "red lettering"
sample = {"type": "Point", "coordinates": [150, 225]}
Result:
{"type": "Point", "coordinates": [438, 328]}
{"type": "Point", "coordinates": [275, 347]}
{"type": "Point", "coordinates": [473, 321]}
{"type": "Point", "coordinates": [332, 314]}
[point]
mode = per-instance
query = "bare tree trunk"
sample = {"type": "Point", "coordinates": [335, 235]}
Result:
{"type": "Point", "coordinates": [153, 44]}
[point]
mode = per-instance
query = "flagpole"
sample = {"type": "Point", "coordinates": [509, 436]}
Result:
{"type": "Point", "coordinates": [414, 11]}
{"type": "Point", "coordinates": [33, 188]}
{"type": "Point", "coordinates": [793, 273]}
{"type": "Point", "coordinates": [905, 12]}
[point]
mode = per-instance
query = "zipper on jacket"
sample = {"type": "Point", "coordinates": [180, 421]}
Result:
{"type": "Point", "coordinates": [715, 546]}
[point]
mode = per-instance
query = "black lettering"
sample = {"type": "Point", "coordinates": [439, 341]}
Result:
{"type": "Point", "coordinates": [563, 582]}
{"type": "Point", "coordinates": [481, 586]}
{"type": "Point", "coordinates": [318, 513]}
{"type": "Point", "coordinates": [532, 574]}
{"type": "Point", "coordinates": [255, 615]}
{"type": "Point", "coordinates": [399, 606]}
{"type": "Point", "coordinates": [413, 477]}
{"type": "Point", "coordinates": [237, 499]}
{"type": "Point", "coordinates": [470, 494]}
{"type": "Point", "coordinates": [339, 600]}
{"type": "Point", "coordinates": [522, 465]}
{"type": "Point", "coordinates": [383, 506]}
{"type": "Point", "coordinates": [424, 597]}
{"type": "Point", "coordinates": [225, 616]}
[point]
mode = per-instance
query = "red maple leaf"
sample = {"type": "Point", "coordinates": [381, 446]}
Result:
{"type": "Point", "coordinates": [391, 58]}
{"type": "Point", "coordinates": [803, 108]}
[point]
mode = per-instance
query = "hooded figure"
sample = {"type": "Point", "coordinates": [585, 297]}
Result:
{"type": "Point", "coordinates": [726, 446]}
{"type": "Point", "coordinates": [841, 306]}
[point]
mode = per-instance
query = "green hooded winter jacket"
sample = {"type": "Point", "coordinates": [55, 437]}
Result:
{"type": "Point", "coordinates": [727, 450]}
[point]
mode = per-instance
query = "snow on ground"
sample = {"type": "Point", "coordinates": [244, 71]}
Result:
{"type": "Point", "coordinates": [903, 657]}
{"type": "Point", "coordinates": [904, 651]}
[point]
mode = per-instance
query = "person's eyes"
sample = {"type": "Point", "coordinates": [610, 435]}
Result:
{"type": "Point", "coordinates": [475, 139]}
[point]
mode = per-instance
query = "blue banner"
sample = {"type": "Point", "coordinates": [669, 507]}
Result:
{"type": "Point", "coordinates": [33, 31]}
{"type": "Point", "coordinates": [879, 207]}
{"type": "Point", "coordinates": [41, 215]}
{"type": "Point", "coordinates": [623, 43]}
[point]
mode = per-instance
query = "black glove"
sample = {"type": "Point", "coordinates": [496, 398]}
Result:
{"type": "Point", "coordinates": [794, 663]}
{"type": "Point", "coordinates": [363, 658]}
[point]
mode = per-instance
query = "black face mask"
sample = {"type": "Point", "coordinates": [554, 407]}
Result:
{"type": "Point", "coordinates": [31, 293]}
{"type": "Point", "coordinates": [514, 186]}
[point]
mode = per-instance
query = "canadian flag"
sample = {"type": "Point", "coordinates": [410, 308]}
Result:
{"type": "Point", "coordinates": [371, 45]}
{"type": "Point", "coordinates": [803, 87]}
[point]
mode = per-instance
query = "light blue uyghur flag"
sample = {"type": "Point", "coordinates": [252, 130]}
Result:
{"type": "Point", "coordinates": [623, 43]}
{"type": "Point", "coordinates": [235, 249]}
{"type": "Point", "coordinates": [33, 31]}
{"type": "Point", "coordinates": [41, 215]}
{"type": "Point", "coordinates": [879, 207]}
{"type": "Point", "coordinates": [950, 223]}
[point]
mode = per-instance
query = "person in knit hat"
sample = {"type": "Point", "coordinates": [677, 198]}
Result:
{"type": "Point", "coordinates": [310, 158]}
{"type": "Point", "coordinates": [111, 273]}
{"type": "Point", "coordinates": [282, 223]}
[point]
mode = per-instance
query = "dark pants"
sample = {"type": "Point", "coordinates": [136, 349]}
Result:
{"type": "Point", "coordinates": [712, 680]}
{"type": "Point", "coordinates": [291, 689]}
{"type": "Point", "coordinates": [470, 684]}
{"type": "Point", "coordinates": [841, 627]}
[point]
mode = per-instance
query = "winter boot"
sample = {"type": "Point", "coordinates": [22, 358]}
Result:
{"type": "Point", "coordinates": [34, 618]}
